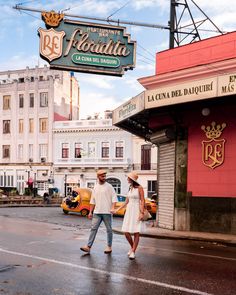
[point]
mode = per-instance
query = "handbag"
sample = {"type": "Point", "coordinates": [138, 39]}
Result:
{"type": "Point", "coordinates": [146, 215]}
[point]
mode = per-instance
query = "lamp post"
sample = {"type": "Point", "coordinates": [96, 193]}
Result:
{"type": "Point", "coordinates": [65, 189]}
{"type": "Point", "coordinates": [28, 178]}
{"type": "Point", "coordinates": [34, 184]}
{"type": "Point", "coordinates": [4, 179]}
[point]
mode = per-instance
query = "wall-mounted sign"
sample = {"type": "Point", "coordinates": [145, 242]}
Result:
{"type": "Point", "coordinates": [213, 150]}
{"type": "Point", "coordinates": [128, 109]}
{"type": "Point", "coordinates": [86, 47]}
{"type": "Point", "coordinates": [227, 85]}
{"type": "Point", "coordinates": [185, 92]}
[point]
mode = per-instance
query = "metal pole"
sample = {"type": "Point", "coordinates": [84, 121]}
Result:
{"type": "Point", "coordinates": [4, 180]}
{"type": "Point", "coordinates": [65, 184]}
{"type": "Point", "coordinates": [109, 20]}
{"type": "Point", "coordinates": [28, 172]}
{"type": "Point", "coordinates": [71, 84]}
{"type": "Point", "coordinates": [34, 184]}
{"type": "Point", "coordinates": [172, 24]}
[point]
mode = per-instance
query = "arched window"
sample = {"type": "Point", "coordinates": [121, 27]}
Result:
{"type": "Point", "coordinates": [115, 183]}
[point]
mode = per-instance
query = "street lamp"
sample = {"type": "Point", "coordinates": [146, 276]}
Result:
{"type": "Point", "coordinates": [65, 184]}
{"type": "Point", "coordinates": [34, 184]}
{"type": "Point", "coordinates": [4, 179]}
{"type": "Point", "coordinates": [28, 184]}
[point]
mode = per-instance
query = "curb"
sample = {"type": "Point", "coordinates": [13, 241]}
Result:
{"type": "Point", "coordinates": [29, 205]}
{"type": "Point", "coordinates": [183, 237]}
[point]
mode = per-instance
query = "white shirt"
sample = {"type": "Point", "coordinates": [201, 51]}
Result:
{"type": "Point", "coordinates": [103, 195]}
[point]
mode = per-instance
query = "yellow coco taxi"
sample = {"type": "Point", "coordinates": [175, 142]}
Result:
{"type": "Point", "coordinates": [78, 204]}
{"type": "Point", "coordinates": [121, 200]}
{"type": "Point", "coordinates": [150, 204]}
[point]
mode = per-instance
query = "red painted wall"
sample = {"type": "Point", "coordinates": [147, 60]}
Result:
{"type": "Point", "coordinates": [210, 50]}
{"type": "Point", "coordinates": [202, 180]}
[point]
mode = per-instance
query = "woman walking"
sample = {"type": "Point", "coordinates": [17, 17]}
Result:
{"type": "Point", "coordinates": [134, 213]}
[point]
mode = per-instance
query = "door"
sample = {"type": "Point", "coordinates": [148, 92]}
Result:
{"type": "Point", "coordinates": [146, 157]}
{"type": "Point", "coordinates": [166, 185]}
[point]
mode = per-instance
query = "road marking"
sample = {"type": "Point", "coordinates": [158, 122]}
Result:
{"type": "Point", "coordinates": [182, 252]}
{"type": "Point", "coordinates": [191, 253]}
{"type": "Point", "coordinates": [122, 276]}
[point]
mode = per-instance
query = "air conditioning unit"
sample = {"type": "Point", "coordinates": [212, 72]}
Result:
{"type": "Point", "coordinates": [43, 159]}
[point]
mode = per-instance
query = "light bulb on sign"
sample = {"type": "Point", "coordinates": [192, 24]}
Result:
{"type": "Point", "coordinates": [206, 112]}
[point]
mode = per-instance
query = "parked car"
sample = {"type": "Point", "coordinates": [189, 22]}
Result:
{"type": "Point", "coordinates": [78, 205]}
{"type": "Point", "coordinates": [151, 204]}
{"type": "Point", "coordinates": [121, 200]}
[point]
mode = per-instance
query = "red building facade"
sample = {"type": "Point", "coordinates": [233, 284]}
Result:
{"type": "Point", "coordinates": [188, 110]}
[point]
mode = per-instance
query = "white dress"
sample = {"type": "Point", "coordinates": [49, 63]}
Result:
{"type": "Point", "coordinates": [131, 222]}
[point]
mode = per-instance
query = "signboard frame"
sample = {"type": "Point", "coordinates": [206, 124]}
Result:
{"type": "Point", "coordinates": [88, 47]}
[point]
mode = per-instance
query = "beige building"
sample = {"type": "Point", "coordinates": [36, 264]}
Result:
{"type": "Point", "coordinates": [30, 100]}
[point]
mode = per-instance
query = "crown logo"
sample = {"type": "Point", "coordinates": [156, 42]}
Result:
{"type": "Point", "coordinates": [214, 131]}
{"type": "Point", "coordinates": [51, 18]}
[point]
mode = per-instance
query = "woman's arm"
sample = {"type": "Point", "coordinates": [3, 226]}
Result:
{"type": "Point", "coordinates": [122, 206]}
{"type": "Point", "coordinates": [142, 201]}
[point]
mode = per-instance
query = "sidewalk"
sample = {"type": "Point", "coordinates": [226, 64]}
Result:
{"type": "Point", "coordinates": [161, 233]}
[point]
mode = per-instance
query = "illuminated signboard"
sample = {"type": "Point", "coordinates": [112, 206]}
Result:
{"type": "Point", "coordinates": [86, 47]}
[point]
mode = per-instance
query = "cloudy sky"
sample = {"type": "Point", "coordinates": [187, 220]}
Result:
{"type": "Point", "coordinates": [20, 43]}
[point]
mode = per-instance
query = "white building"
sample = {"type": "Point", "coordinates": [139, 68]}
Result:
{"type": "Point", "coordinates": [84, 146]}
{"type": "Point", "coordinates": [30, 99]}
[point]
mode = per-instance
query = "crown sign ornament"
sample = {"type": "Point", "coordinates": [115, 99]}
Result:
{"type": "Point", "coordinates": [215, 131]}
{"type": "Point", "coordinates": [52, 18]}
{"type": "Point", "coordinates": [213, 150]}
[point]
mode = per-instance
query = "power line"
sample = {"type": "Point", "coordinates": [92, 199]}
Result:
{"type": "Point", "coordinates": [152, 55]}
{"type": "Point", "coordinates": [145, 57]}
{"type": "Point", "coordinates": [22, 3]}
{"type": "Point", "coordinates": [118, 9]}
{"type": "Point", "coordinates": [145, 62]}
{"type": "Point", "coordinates": [31, 15]}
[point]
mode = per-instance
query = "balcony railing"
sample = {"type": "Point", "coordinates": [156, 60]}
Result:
{"type": "Point", "coordinates": [60, 125]}
{"type": "Point", "coordinates": [139, 166]}
{"type": "Point", "coordinates": [92, 160]}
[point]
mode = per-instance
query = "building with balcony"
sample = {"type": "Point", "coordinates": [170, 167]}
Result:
{"type": "Point", "coordinates": [30, 100]}
{"type": "Point", "coordinates": [82, 147]}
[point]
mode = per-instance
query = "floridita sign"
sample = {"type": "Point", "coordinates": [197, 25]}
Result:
{"type": "Point", "coordinates": [86, 47]}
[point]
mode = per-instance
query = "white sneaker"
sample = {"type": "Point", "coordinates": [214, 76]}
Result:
{"type": "Point", "coordinates": [132, 255]}
{"type": "Point", "coordinates": [130, 251]}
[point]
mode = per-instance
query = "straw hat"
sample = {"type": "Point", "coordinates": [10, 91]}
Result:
{"type": "Point", "coordinates": [101, 171]}
{"type": "Point", "coordinates": [133, 176]}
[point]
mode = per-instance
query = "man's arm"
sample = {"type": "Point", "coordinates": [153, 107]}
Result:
{"type": "Point", "coordinates": [90, 215]}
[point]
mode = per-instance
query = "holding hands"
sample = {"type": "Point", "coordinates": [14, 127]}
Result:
{"type": "Point", "coordinates": [141, 215]}
{"type": "Point", "coordinates": [114, 211]}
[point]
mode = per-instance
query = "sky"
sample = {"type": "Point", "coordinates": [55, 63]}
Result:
{"type": "Point", "coordinates": [19, 41]}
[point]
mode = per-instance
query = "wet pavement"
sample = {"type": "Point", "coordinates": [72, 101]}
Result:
{"type": "Point", "coordinates": [39, 254]}
{"type": "Point", "coordinates": [150, 230]}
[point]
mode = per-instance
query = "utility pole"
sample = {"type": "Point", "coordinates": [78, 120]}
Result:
{"type": "Point", "coordinates": [71, 95]}
{"type": "Point", "coordinates": [65, 185]}
{"type": "Point", "coordinates": [180, 30]}
{"type": "Point", "coordinates": [172, 24]}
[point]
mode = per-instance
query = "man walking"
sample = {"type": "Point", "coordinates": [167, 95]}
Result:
{"type": "Point", "coordinates": [103, 200]}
